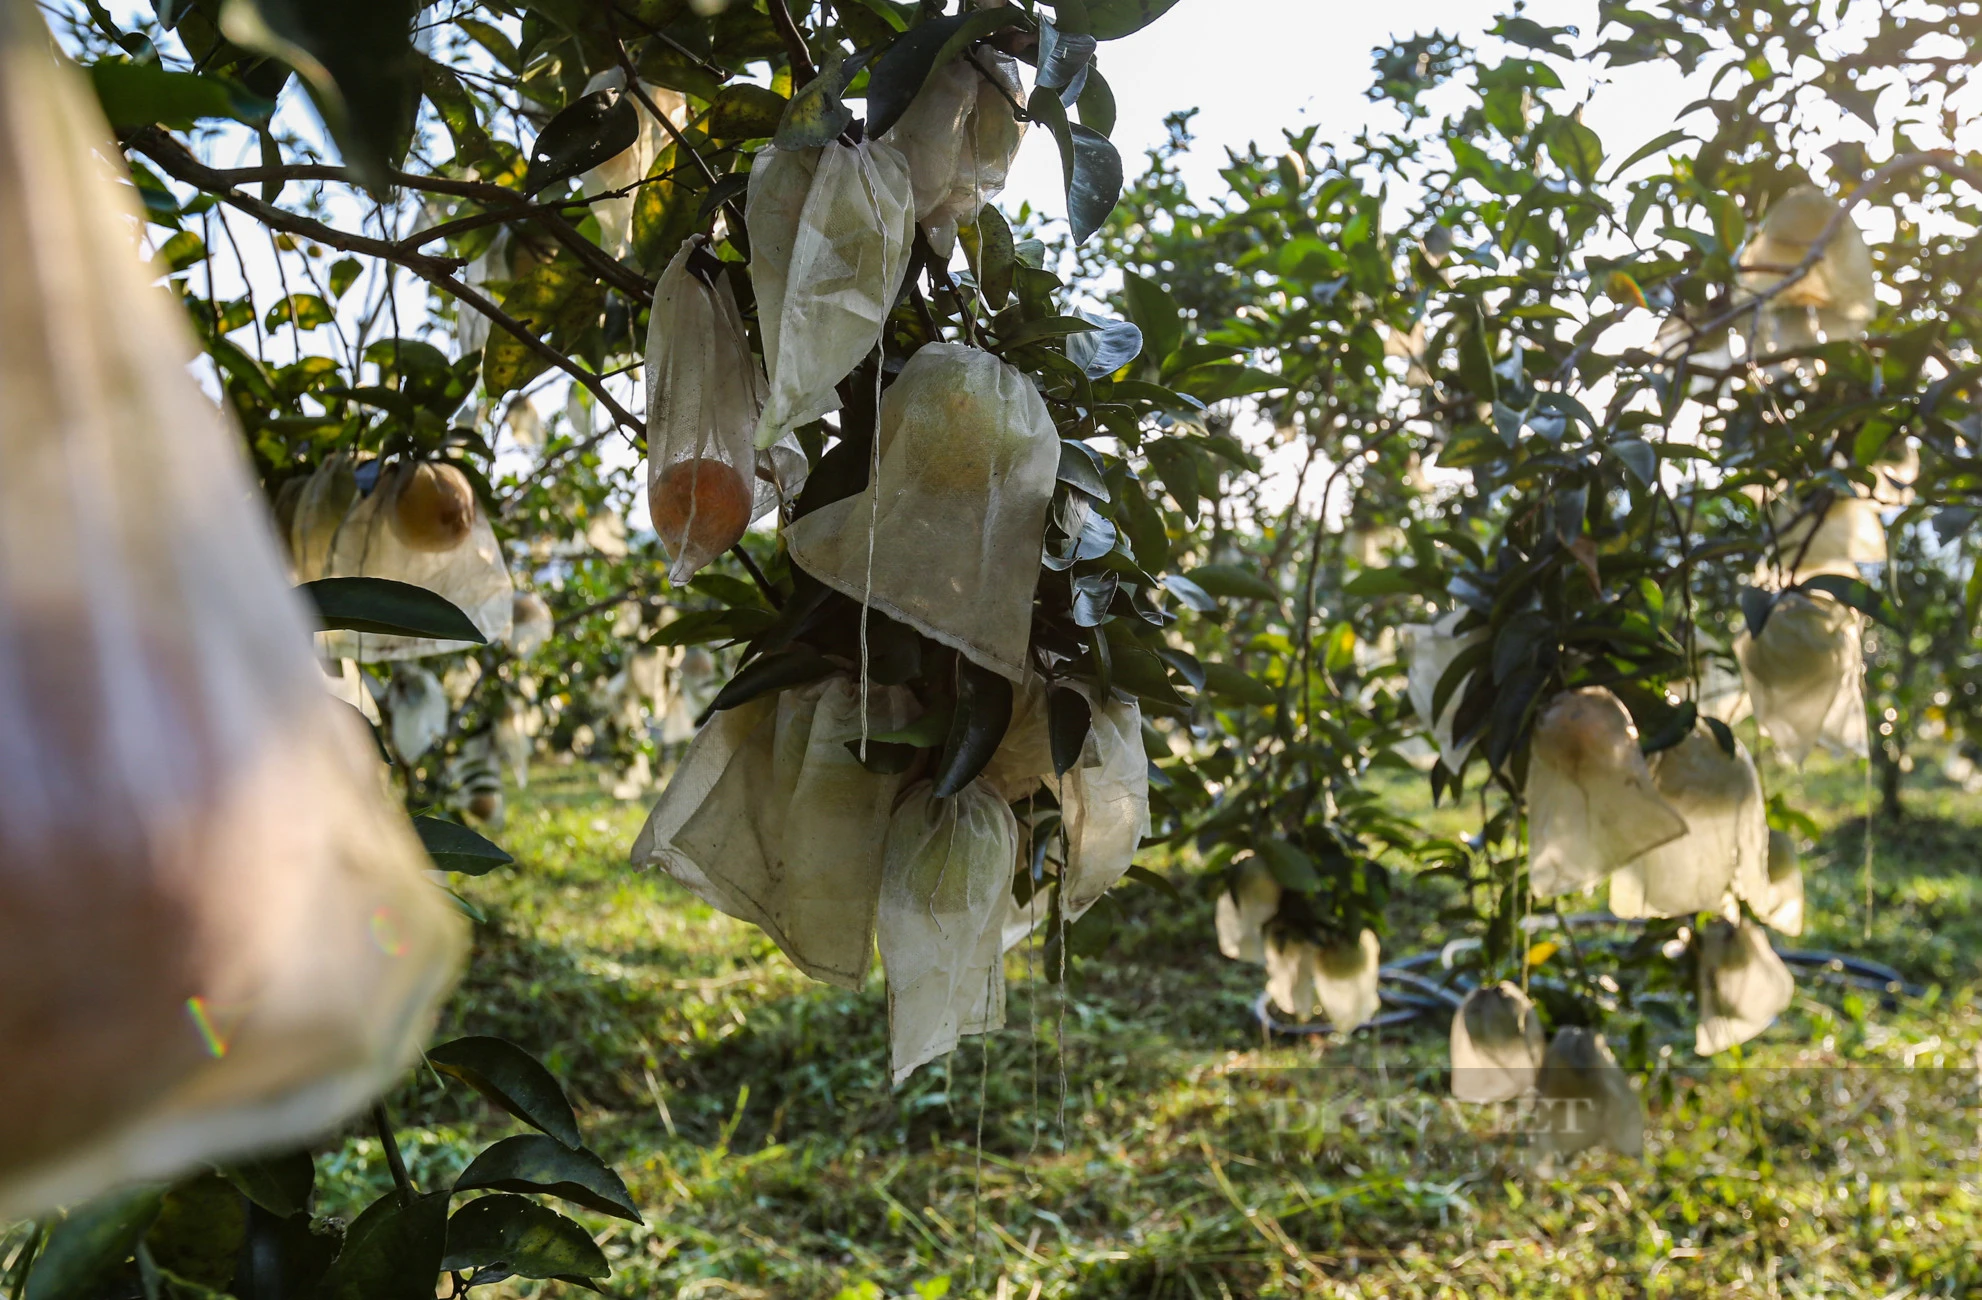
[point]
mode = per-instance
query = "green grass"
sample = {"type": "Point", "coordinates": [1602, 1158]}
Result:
{"type": "Point", "coordinates": [1139, 1139]}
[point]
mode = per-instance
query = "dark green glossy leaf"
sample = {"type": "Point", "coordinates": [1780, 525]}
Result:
{"type": "Point", "coordinates": [1290, 864]}
{"type": "Point", "coordinates": [89, 1243]}
{"type": "Point", "coordinates": [1723, 735]}
{"type": "Point", "coordinates": [1096, 104]}
{"type": "Point", "coordinates": [983, 714]}
{"type": "Point", "coordinates": [1109, 20]}
{"type": "Point", "coordinates": [1233, 684]}
{"type": "Point", "coordinates": [1069, 717]}
{"type": "Point", "coordinates": [589, 131]}
{"type": "Point", "coordinates": [1080, 465]}
{"type": "Point", "coordinates": [139, 94]}
{"type": "Point", "coordinates": [391, 1252]}
{"type": "Point", "coordinates": [1232, 581]}
{"type": "Point", "coordinates": [532, 1162]}
{"type": "Point", "coordinates": [512, 1079]}
{"type": "Point", "coordinates": [282, 1184]}
{"type": "Point", "coordinates": [1092, 594]}
{"type": "Point", "coordinates": [995, 257]}
{"type": "Point", "coordinates": [1106, 349]}
{"type": "Point", "coordinates": [1155, 312]}
{"type": "Point", "coordinates": [905, 65]}
{"type": "Point", "coordinates": [792, 666]}
{"type": "Point", "coordinates": [742, 111]}
{"type": "Point", "coordinates": [1190, 593]}
{"type": "Point", "coordinates": [388, 608]}
{"type": "Point", "coordinates": [1675, 729]}
{"type": "Point", "coordinates": [816, 116]}
{"type": "Point", "coordinates": [511, 1236]}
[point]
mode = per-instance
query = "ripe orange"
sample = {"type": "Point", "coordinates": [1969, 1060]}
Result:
{"type": "Point", "coordinates": [699, 506]}
{"type": "Point", "coordinates": [433, 506]}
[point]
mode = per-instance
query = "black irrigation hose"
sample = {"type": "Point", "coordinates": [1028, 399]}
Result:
{"type": "Point", "coordinates": [1421, 995]}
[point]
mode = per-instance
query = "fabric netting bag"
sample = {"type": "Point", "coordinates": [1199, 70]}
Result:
{"type": "Point", "coordinates": [629, 166]}
{"type": "Point", "coordinates": [1744, 985]}
{"type": "Point", "coordinates": [322, 504]}
{"type": "Point", "coordinates": [1585, 1098]}
{"type": "Point", "coordinates": [1248, 902]}
{"type": "Point", "coordinates": [530, 624]}
{"type": "Point", "coordinates": [217, 936]}
{"type": "Point", "coordinates": [1104, 806]}
{"type": "Point", "coordinates": [1805, 674]}
{"type": "Point", "coordinates": [969, 457]}
{"type": "Point", "coordinates": [1591, 805]}
{"type": "Point", "coordinates": [830, 230]}
{"type": "Point", "coordinates": [416, 705]}
{"type": "Point", "coordinates": [710, 753]}
{"type": "Point", "coordinates": [1726, 845]}
{"type": "Point", "coordinates": [1337, 979]}
{"type": "Point", "coordinates": [421, 524]}
{"type": "Point", "coordinates": [1836, 297]}
{"type": "Point", "coordinates": [1024, 758]}
{"type": "Point", "coordinates": [1782, 909]}
{"type": "Point", "coordinates": [704, 391]}
{"type": "Point", "coordinates": [789, 836]}
{"type": "Point", "coordinates": [1431, 648]}
{"type": "Point", "coordinates": [1847, 534]}
{"type": "Point", "coordinates": [959, 138]}
{"type": "Point", "coordinates": [945, 889]}
{"type": "Point", "coordinates": [1497, 1045]}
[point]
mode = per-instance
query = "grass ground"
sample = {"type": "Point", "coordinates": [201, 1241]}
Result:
{"type": "Point", "coordinates": [1138, 1138]}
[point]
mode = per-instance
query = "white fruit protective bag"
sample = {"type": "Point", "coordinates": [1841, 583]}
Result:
{"type": "Point", "coordinates": [530, 624]}
{"type": "Point", "coordinates": [322, 505]}
{"type": "Point", "coordinates": [217, 936]}
{"type": "Point", "coordinates": [1431, 648]}
{"type": "Point", "coordinates": [1104, 805]}
{"type": "Point", "coordinates": [1836, 297]}
{"type": "Point", "coordinates": [1849, 533]}
{"type": "Point", "coordinates": [945, 889]}
{"type": "Point", "coordinates": [1726, 845]}
{"type": "Point", "coordinates": [1244, 908]}
{"type": "Point", "coordinates": [1585, 1099]}
{"type": "Point", "coordinates": [959, 138]}
{"type": "Point", "coordinates": [830, 229]}
{"type": "Point", "coordinates": [1339, 980]}
{"type": "Point", "coordinates": [471, 574]}
{"type": "Point", "coordinates": [789, 837]}
{"type": "Point", "coordinates": [1805, 674]}
{"type": "Point", "coordinates": [416, 706]}
{"type": "Point", "coordinates": [1497, 1045]}
{"type": "Point", "coordinates": [1024, 758]}
{"type": "Point", "coordinates": [968, 459]}
{"type": "Point", "coordinates": [1744, 985]}
{"type": "Point", "coordinates": [1782, 909]}
{"type": "Point", "coordinates": [629, 166]}
{"type": "Point", "coordinates": [704, 391]}
{"type": "Point", "coordinates": [1591, 804]}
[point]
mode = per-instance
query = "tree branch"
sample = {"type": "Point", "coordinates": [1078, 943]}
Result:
{"type": "Point", "coordinates": [179, 163]}
{"type": "Point", "coordinates": [802, 70]}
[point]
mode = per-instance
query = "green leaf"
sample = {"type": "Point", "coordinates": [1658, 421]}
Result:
{"type": "Point", "coordinates": [88, 1243]}
{"type": "Point", "coordinates": [532, 1162]}
{"type": "Point", "coordinates": [1576, 149]}
{"type": "Point", "coordinates": [1090, 166]}
{"type": "Point", "coordinates": [587, 132]}
{"type": "Point", "coordinates": [1102, 351]}
{"type": "Point", "coordinates": [742, 111]}
{"type": "Point", "coordinates": [1081, 466]}
{"type": "Point", "coordinates": [344, 273]}
{"type": "Point", "coordinates": [389, 608]}
{"type": "Point", "coordinates": [994, 257]}
{"type": "Point", "coordinates": [1096, 104]}
{"type": "Point", "coordinates": [1046, 327]}
{"type": "Point", "coordinates": [1639, 457]}
{"type": "Point", "coordinates": [509, 1236]}
{"type": "Point", "coordinates": [903, 67]}
{"type": "Point", "coordinates": [793, 666]}
{"type": "Point", "coordinates": [1233, 684]}
{"type": "Point", "coordinates": [977, 728]}
{"type": "Point", "coordinates": [1233, 581]}
{"type": "Point", "coordinates": [1676, 728]}
{"type": "Point", "coordinates": [1162, 882]}
{"type": "Point", "coordinates": [512, 1079]}
{"type": "Point", "coordinates": [358, 60]}
{"type": "Point", "coordinates": [1110, 20]}
{"type": "Point", "coordinates": [1190, 593]}
{"type": "Point", "coordinates": [282, 1184]}
{"type": "Point", "coordinates": [666, 210]}
{"type": "Point", "coordinates": [454, 847]}
{"type": "Point", "coordinates": [1857, 593]}
{"type": "Point", "coordinates": [391, 1252]}
{"type": "Point", "coordinates": [815, 116]}
{"type": "Point", "coordinates": [1156, 312]}
{"type": "Point", "coordinates": [1649, 148]}
{"type": "Point", "coordinates": [1289, 863]}
{"type": "Point", "coordinates": [1069, 716]}
{"type": "Point", "coordinates": [558, 297]}
{"type": "Point", "coordinates": [306, 311]}
{"type": "Point", "coordinates": [139, 94]}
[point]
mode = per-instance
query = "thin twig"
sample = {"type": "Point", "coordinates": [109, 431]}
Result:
{"type": "Point", "coordinates": [802, 69]}
{"type": "Point", "coordinates": [393, 1160]}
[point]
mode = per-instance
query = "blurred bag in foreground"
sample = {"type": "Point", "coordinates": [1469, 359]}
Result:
{"type": "Point", "coordinates": [216, 936]}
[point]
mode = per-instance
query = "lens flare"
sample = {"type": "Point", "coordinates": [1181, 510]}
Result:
{"type": "Point", "coordinates": [385, 933]}
{"type": "Point", "coordinates": [216, 1046]}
